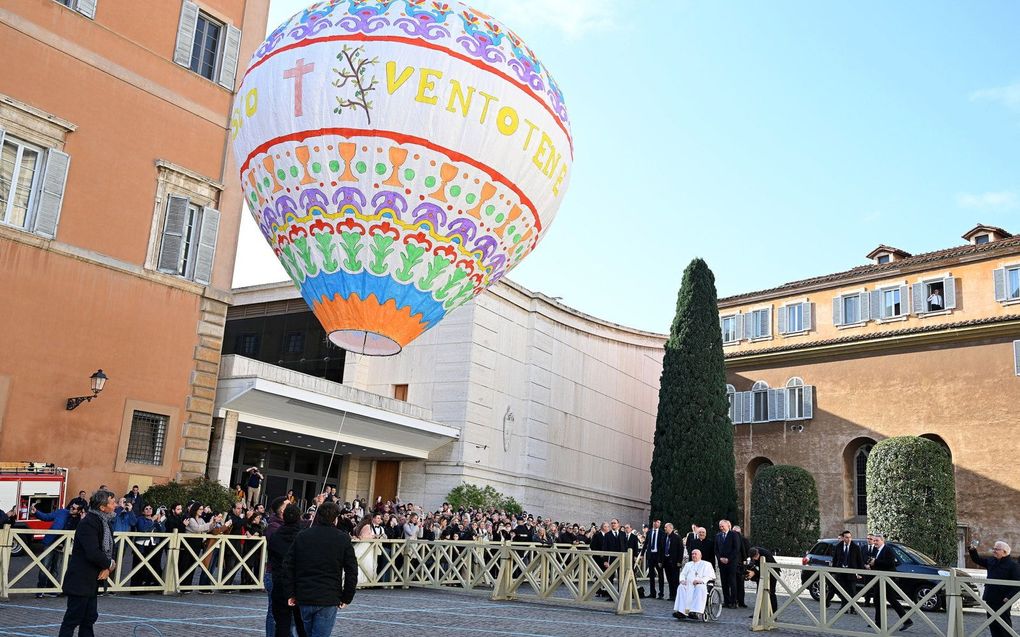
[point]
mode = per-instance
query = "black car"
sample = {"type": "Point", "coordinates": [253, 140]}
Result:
{"type": "Point", "coordinates": [910, 561]}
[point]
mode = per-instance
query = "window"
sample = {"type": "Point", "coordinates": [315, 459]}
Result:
{"type": "Point", "coordinates": [32, 182]}
{"type": "Point", "coordinates": [400, 392]}
{"type": "Point", "coordinates": [885, 258]}
{"type": "Point", "coordinates": [207, 46]}
{"type": "Point", "coordinates": [981, 238]}
{"type": "Point", "coordinates": [148, 438]}
{"type": "Point", "coordinates": [85, 7]}
{"type": "Point", "coordinates": [730, 326]}
{"type": "Point", "coordinates": [794, 399]}
{"type": "Point", "coordinates": [189, 239]}
{"type": "Point", "coordinates": [761, 323]}
{"type": "Point", "coordinates": [760, 402]}
{"type": "Point", "coordinates": [934, 295]}
{"type": "Point", "coordinates": [294, 343]}
{"type": "Point", "coordinates": [247, 344]}
{"type": "Point", "coordinates": [890, 302]}
{"type": "Point", "coordinates": [851, 309]}
{"type": "Point", "coordinates": [733, 397]}
{"type": "Point", "coordinates": [1007, 283]}
{"type": "Point", "coordinates": [795, 318]}
{"type": "Point", "coordinates": [861, 479]}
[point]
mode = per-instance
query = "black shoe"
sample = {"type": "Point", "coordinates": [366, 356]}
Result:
{"type": "Point", "coordinates": [660, 595]}
{"type": "Point", "coordinates": [742, 605]}
{"type": "Point", "coordinates": [38, 595]}
{"type": "Point", "coordinates": [679, 615]}
{"type": "Point", "coordinates": [907, 624]}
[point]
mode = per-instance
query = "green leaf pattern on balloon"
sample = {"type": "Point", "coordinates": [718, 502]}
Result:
{"type": "Point", "coordinates": [350, 243]}
{"type": "Point", "coordinates": [290, 263]}
{"type": "Point", "coordinates": [435, 269]}
{"type": "Point", "coordinates": [411, 257]}
{"type": "Point", "coordinates": [301, 243]}
{"type": "Point", "coordinates": [381, 248]}
{"type": "Point", "coordinates": [458, 276]}
{"type": "Point", "coordinates": [324, 242]}
{"type": "Point", "coordinates": [462, 297]}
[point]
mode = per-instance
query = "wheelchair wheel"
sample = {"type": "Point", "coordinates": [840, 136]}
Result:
{"type": "Point", "coordinates": [713, 607]}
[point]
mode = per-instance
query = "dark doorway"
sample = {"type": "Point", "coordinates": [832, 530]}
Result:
{"type": "Point", "coordinates": [387, 475]}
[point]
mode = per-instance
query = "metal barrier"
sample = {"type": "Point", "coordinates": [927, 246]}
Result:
{"type": "Point", "coordinates": [169, 562]}
{"type": "Point", "coordinates": [799, 611]}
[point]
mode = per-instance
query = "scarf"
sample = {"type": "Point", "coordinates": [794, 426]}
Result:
{"type": "Point", "coordinates": [107, 519]}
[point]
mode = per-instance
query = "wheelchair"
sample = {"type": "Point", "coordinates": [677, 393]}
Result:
{"type": "Point", "coordinates": [713, 603]}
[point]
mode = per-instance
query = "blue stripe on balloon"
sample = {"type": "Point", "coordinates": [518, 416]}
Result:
{"type": "Point", "coordinates": [364, 284]}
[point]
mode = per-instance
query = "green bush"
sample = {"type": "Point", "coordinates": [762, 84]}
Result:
{"type": "Point", "coordinates": [912, 495]}
{"type": "Point", "coordinates": [784, 509]}
{"type": "Point", "coordinates": [203, 490]}
{"type": "Point", "coordinates": [471, 496]}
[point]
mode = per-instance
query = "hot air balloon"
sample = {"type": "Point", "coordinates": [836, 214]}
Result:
{"type": "Point", "coordinates": [400, 156]}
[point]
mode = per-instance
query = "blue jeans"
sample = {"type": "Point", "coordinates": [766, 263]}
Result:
{"type": "Point", "coordinates": [267, 581]}
{"type": "Point", "coordinates": [318, 620]}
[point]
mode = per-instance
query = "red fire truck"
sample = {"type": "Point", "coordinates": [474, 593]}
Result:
{"type": "Point", "coordinates": [31, 484]}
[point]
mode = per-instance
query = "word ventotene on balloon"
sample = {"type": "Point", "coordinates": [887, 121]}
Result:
{"type": "Point", "coordinates": [400, 156]}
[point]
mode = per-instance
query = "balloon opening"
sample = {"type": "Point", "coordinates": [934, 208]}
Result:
{"type": "Point", "coordinates": [365, 342]}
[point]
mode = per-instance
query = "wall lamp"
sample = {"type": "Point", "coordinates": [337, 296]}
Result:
{"type": "Point", "coordinates": [98, 382]}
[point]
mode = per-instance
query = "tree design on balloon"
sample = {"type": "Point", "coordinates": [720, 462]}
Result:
{"type": "Point", "coordinates": [354, 76]}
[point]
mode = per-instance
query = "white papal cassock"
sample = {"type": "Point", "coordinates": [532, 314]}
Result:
{"type": "Point", "coordinates": [691, 597]}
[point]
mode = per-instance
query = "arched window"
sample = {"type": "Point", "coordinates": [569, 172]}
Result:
{"type": "Point", "coordinates": [861, 480]}
{"type": "Point", "coordinates": [760, 402]}
{"type": "Point", "coordinates": [731, 394]}
{"type": "Point", "coordinates": [795, 399]}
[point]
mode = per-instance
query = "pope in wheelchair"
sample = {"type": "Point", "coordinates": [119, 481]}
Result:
{"type": "Point", "coordinates": [693, 591]}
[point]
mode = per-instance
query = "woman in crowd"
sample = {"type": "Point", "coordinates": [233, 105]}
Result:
{"type": "Point", "coordinates": [147, 574]}
{"type": "Point", "coordinates": [195, 525]}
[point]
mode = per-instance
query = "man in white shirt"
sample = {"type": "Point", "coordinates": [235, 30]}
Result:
{"type": "Point", "coordinates": [692, 593]}
{"type": "Point", "coordinates": [935, 300]}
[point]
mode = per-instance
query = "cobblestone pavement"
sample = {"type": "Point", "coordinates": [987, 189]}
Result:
{"type": "Point", "coordinates": [388, 612]}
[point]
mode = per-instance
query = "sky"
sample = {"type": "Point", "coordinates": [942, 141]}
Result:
{"type": "Point", "coordinates": [777, 141]}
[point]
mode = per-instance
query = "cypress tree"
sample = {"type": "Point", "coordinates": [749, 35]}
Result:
{"type": "Point", "coordinates": [692, 460]}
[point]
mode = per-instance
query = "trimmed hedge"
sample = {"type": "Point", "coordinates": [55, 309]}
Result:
{"type": "Point", "coordinates": [204, 490]}
{"type": "Point", "coordinates": [471, 496]}
{"type": "Point", "coordinates": [784, 509]}
{"type": "Point", "coordinates": [912, 495]}
{"type": "Point", "coordinates": [693, 473]}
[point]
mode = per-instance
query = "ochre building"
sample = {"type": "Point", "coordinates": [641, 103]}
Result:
{"type": "Point", "coordinates": [118, 223]}
{"type": "Point", "coordinates": [924, 345]}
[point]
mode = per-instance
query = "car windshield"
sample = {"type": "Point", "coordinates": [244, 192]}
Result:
{"type": "Point", "coordinates": [918, 556]}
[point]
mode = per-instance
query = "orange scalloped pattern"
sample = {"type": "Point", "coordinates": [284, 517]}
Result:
{"type": "Point", "coordinates": [370, 315]}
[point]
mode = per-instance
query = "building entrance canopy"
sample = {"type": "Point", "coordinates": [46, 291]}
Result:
{"type": "Point", "coordinates": [283, 400]}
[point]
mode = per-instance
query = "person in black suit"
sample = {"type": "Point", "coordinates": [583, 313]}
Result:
{"type": "Point", "coordinates": [867, 556]}
{"type": "Point", "coordinates": [754, 571]}
{"type": "Point", "coordinates": [703, 544]}
{"type": "Point", "coordinates": [655, 540]}
{"type": "Point", "coordinates": [885, 560]}
{"type": "Point", "coordinates": [745, 553]}
{"type": "Point", "coordinates": [1000, 566]}
{"type": "Point", "coordinates": [727, 551]}
{"type": "Point", "coordinates": [846, 554]}
{"type": "Point", "coordinates": [672, 556]}
{"type": "Point", "coordinates": [90, 563]}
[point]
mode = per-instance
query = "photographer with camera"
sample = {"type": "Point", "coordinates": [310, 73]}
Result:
{"type": "Point", "coordinates": [147, 522]}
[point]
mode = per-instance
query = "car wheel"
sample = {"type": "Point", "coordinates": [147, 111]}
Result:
{"type": "Point", "coordinates": [933, 603]}
{"type": "Point", "coordinates": [17, 549]}
{"type": "Point", "coordinates": [814, 591]}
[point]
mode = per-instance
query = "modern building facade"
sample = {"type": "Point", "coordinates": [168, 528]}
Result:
{"type": "Point", "coordinates": [512, 390]}
{"type": "Point", "coordinates": [118, 220]}
{"type": "Point", "coordinates": [822, 369]}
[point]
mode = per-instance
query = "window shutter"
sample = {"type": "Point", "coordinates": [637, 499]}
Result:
{"type": "Point", "coordinates": [1, 137]}
{"type": "Point", "coordinates": [745, 333]}
{"type": "Point", "coordinates": [781, 320]}
{"type": "Point", "coordinates": [768, 321]}
{"type": "Point", "coordinates": [918, 298]}
{"type": "Point", "coordinates": [807, 317]}
{"type": "Point", "coordinates": [87, 8]}
{"type": "Point", "coordinates": [773, 403]}
{"type": "Point", "coordinates": [949, 293]}
{"type": "Point", "coordinates": [228, 67]}
{"type": "Point", "coordinates": [172, 246]}
{"type": "Point", "coordinates": [837, 311]}
{"type": "Point", "coordinates": [877, 305]}
{"type": "Point", "coordinates": [746, 406]}
{"type": "Point", "coordinates": [779, 398]}
{"type": "Point", "coordinates": [999, 276]}
{"type": "Point", "coordinates": [904, 300]}
{"type": "Point", "coordinates": [186, 33]}
{"type": "Point", "coordinates": [809, 402]}
{"type": "Point", "coordinates": [207, 245]}
{"type": "Point", "coordinates": [51, 195]}
{"type": "Point", "coordinates": [1016, 357]}
{"type": "Point", "coordinates": [737, 411]}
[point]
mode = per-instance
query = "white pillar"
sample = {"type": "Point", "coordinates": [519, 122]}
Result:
{"type": "Point", "coordinates": [221, 448]}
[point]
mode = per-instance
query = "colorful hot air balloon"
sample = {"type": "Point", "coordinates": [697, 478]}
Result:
{"type": "Point", "coordinates": [400, 156]}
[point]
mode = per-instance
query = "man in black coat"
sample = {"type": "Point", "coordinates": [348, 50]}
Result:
{"type": "Point", "coordinates": [278, 546]}
{"type": "Point", "coordinates": [321, 571]}
{"type": "Point", "coordinates": [90, 563]}
{"type": "Point", "coordinates": [754, 571]}
{"type": "Point", "coordinates": [846, 554]}
{"type": "Point", "coordinates": [727, 551]}
{"type": "Point", "coordinates": [672, 556]}
{"type": "Point", "coordinates": [745, 553]}
{"type": "Point", "coordinates": [999, 566]}
{"type": "Point", "coordinates": [655, 541]}
{"type": "Point", "coordinates": [885, 560]}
